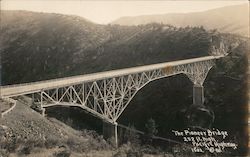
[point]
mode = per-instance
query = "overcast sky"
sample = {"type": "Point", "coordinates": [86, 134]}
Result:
{"type": "Point", "coordinates": [105, 11]}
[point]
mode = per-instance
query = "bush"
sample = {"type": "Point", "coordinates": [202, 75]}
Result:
{"type": "Point", "coordinates": [112, 142]}
{"type": "Point", "coordinates": [12, 143]}
{"type": "Point", "coordinates": [131, 136]}
{"type": "Point", "coordinates": [127, 150]}
{"type": "Point", "coordinates": [149, 149]}
{"type": "Point", "coordinates": [78, 146]}
{"type": "Point", "coordinates": [63, 152]}
{"type": "Point", "coordinates": [151, 127]}
{"type": "Point", "coordinates": [52, 142]}
{"type": "Point", "coordinates": [27, 146]}
{"type": "Point", "coordinates": [151, 130]}
{"type": "Point", "coordinates": [25, 150]}
{"type": "Point", "coordinates": [181, 150]}
{"type": "Point", "coordinates": [4, 153]}
{"type": "Point", "coordinates": [134, 153]}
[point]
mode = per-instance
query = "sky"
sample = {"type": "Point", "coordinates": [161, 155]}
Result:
{"type": "Point", "coordinates": [106, 11]}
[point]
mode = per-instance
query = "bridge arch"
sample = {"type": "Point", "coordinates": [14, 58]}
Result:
{"type": "Point", "coordinates": [107, 94]}
{"type": "Point", "coordinates": [108, 98]}
{"type": "Point", "coordinates": [161, 100]}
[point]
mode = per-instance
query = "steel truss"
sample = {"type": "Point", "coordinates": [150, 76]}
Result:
{"type": "Point", "coordinates": [108, 98]}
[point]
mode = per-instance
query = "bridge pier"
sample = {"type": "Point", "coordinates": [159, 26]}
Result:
{"type": "Point", "coordinates": [198, 95]}
{"type": "Point", "coordinates": [198, 114]}
{"type": "Point", "coordinates": [43, 112]}
{"type": "Point", "coordinates": [110, 132]}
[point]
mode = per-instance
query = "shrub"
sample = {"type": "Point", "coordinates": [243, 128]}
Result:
{"type": "Point", "coordinates": [52, 142]}
{"type": "Point", "coordinates": [27, 146]}
{"type": "Point", "coordinates": [181, 150]}
{"type": "Point", "coordinates": [134, 153]}
{"type": "Point", "coordinates": [151, 127]}
{"type": "Point", "coordinates": [127, 150]}
{"type": "Point", "coordinates": [4, 153]}
{"type": "Point", "coordinates": [63, 152]}
{"type": "Point", "coordinates": [131, 136]}
{"type": "Point", "coordinates": [112, 142]}
{"type": "Point", "coordinates": [12, 143]}
{"type": "Point", "coordinates": [25, 150]}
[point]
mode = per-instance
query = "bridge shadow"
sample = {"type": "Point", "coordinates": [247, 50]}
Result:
{"type": "Point", "coordinates": [75, 117]}
{"type": "Point", "coordinates": [165, 100]}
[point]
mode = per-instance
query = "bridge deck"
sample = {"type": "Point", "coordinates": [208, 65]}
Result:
{"type": "Point", "coordinates": [28, 88]}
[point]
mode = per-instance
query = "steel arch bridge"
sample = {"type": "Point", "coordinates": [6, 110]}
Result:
{"type": "Point", "coordinates": [107, 94]}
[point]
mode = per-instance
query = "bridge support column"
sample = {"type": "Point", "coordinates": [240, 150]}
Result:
{"type": "Point", "coordinates": [43, 112]}
{"type": "Point", "coordinates": [198, 95]}
{"type": "Point", "coordinates": [198, 114]}
{"type": "Point", "coordinates": [110, 132]}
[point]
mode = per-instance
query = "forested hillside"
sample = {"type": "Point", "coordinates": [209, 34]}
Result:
{"type": "Point", "coordinates": [229, 19]}
{"type": "Point", "coordinates": [39, 46]}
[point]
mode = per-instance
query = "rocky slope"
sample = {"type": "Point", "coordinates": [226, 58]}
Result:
{"type": "Point", "coordinates": [23, 130]}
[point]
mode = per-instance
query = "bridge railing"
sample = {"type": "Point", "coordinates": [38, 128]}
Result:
{"type": "Point", "coordinates": [13, 102]}
{"type": "Point", "coordinates": [73, 80]}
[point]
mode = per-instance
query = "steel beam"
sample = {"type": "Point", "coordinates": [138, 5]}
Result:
{"type": "Point", "coordinates": [108, 97]}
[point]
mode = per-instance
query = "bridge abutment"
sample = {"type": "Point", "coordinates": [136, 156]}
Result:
{"type": "Point", "coordinates": [110, 132]}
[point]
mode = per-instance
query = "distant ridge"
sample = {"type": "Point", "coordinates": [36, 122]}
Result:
{"type": "Point", "coordinates": [230, 19]}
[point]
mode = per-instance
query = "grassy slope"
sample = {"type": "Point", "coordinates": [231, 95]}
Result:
{"type": "Point", "coordinates": [28, 129]}
{"type": "Point", "coordinates": [29, 134]}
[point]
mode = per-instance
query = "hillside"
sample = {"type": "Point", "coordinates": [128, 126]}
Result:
{"type": "Point", "coordinates": [39, 46]}
{"type": "Point", "coordinates": [24, 131]}
{"type": "Point", "coordinates": [49, 40]}
{"type": "Point", "coordinates": [231, 19]}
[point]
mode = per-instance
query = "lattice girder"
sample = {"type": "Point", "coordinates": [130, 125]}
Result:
{"type": "Point", "coordinates": [108, 98]}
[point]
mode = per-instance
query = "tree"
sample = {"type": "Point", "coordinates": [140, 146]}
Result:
{"type": "Point", "coordinates": [131, 136]}
{"type": "Point", "coordinates": [151, 129]}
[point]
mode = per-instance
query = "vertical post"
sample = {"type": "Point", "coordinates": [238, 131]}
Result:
{"type": "Point", "coordinates": [198, 95]}
{"type": "Point", "coordinates": [42, 99]}
{"type": "Point", "coordinates": [110, 132]}
{"type": "Point", "coordinates": [70, 93]}
{"type": "Point", "coordinates": [83, 94]}
{"type": "Point", "coordinates": [43, 110]}
{"type": "Point", "coordinates": [113, 98]}
{"type": "Point", "coordinates": [105, 97]}
{"type": "Point", "coordinates": [33, 99]}
{"type": "Point", "coordinates": [95, 96]}
{"type": "Point", "coordinates": [57, 94]}
{"type": "Point", "coordinates": [116, 135]}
